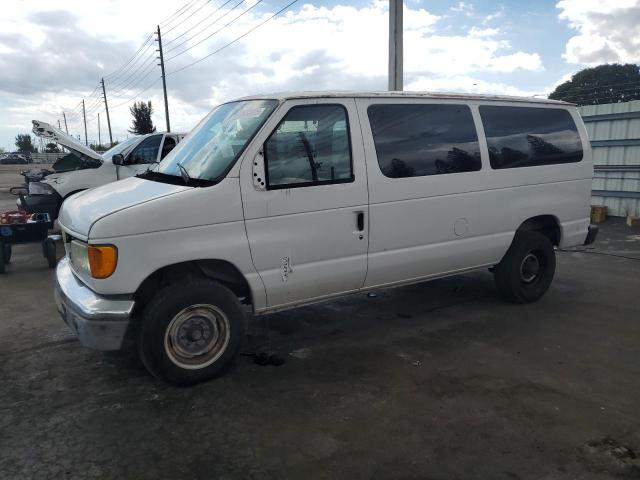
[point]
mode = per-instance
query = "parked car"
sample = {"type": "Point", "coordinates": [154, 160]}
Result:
{"type": "Point", "coordinates": [278, 201]}
{"type": "Point", "coordinates": [87, 169]}
{"type": "Point", "coordinates": [14, 158]}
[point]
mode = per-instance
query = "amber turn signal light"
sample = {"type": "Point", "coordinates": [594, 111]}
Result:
{"type": "Point", "coordinates": [102, 260]}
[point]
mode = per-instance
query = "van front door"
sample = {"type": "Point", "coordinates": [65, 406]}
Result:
{"type": "Point", "coordinates": [307, 221]}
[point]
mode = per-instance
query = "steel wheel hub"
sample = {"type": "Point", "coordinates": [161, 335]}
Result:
{"type": "Point", "coordinates": [197, 336]}
{"type": "Point", "coordinates": [529, 268]}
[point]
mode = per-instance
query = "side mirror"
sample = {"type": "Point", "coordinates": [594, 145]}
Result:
{"type": "Point", "coordinates": [118, 159]}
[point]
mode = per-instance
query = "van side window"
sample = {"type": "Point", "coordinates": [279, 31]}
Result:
{"type": "Point", "coordinates": [529, 136]}
{"type": "Point", "coordinates": [146, 152]}
{"type": "Point", "coordinates": [414, 140]}
{"type": "Point", "coordinates": [310, 146]}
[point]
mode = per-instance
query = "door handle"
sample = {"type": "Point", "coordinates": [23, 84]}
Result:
{"type": "Point", "coordinates": [360, 221]}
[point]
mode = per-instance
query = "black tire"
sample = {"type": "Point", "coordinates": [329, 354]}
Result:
{"type": "Point", "coordinates": [49, 250]}
{"type": "Point", "coordinates": [164, 331]}
{"type": "Point", "coordinates": [7, 253]}
{"type": "Point", "coordinates": [2, 259]}
{"type": "Point", "coordinates": [526, 271]}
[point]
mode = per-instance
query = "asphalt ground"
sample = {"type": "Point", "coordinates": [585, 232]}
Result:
{"type": "Point", "coordinates": [440, 380]}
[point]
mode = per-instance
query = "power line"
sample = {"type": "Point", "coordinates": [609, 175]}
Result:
{"type": "Point", "coordinates": [143, 64]}
{"type": "Point", "coordinates": [236, 39]}
{"type": "Point", "coordinates": [215, 32]}
{"type": "Point", "coordinates": [197, 24]}
{"type": "Point", "coordinates": [179, 15]}
{"type": "Point", "coordinates": [207, 26]}
{"type": "Point", "coordinates": [146, 41]}
{"type": "Point", "coordinates": [188, 17]}
{"type": "Point", "coordinates": [134, 81]}
{"type": "Point", "coordinates": [177, 11]}
{"type": "Point", "coordinates": [137, 94]}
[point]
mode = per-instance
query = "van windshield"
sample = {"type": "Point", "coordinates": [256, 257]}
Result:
{"type": "Point", "coordinates": [218, 140]}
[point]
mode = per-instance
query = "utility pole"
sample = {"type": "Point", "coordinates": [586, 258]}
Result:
{"type": "Point", "coordinates": [99, 139]}
{"type": "Point", "coordinates": [395, 45]}
{"type": "Point", "coordinates": [65, 123]}
{"type": "Point", "coordinates": [84, 116]}
{"type": "Point", "coordinates": [164, 80]}
{"type": "Point", "coordinates": [106, 107]}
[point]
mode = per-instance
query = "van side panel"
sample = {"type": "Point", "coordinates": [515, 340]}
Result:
{"type": "Point", "coordinates": [434, 225]}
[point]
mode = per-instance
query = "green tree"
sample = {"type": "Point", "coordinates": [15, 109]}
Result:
{"type": "Point", "coordinates": [24, 143]}
{"type": "Point", "coordinates": [142, 123]}
{"type": "Point", "coordinates": [610, 83]}
{"type": "Point", "coordinates": [51, 148]}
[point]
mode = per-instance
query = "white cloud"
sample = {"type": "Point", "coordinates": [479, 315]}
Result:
{"type": "Point", "coordinates": [463, 7]}
{"type": "Point", "coordinates": [607, 31]}
{"type": "Point", "coordinates": [467, 84]}
{"type": "Point", "coordinates": [311, 48]}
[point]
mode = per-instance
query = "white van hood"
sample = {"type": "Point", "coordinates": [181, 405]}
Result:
{"type": "Point", "coordinates": [80, 211]}
{"type": "Point", "coordinates": [49, 132]}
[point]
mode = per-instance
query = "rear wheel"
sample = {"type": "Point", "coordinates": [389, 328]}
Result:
{"type": "Point", "coordinates": [7, 253]}
{"type": "Point", "coordinates": [526, 271]}
{"type": "Point", "coordinates": [191, 332]}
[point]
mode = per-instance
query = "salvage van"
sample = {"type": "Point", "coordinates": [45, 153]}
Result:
{"type": "Point", "coordinates": [277, 201]}
{"type": "Point", "coordinates": [89, 169]}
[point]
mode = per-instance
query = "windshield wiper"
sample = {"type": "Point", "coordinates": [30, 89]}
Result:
{"type": "Point", "coordinates": [184, 173]}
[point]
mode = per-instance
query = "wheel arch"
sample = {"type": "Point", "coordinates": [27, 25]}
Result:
{"type": "Point", "coordinates": [221, 271]}
{"type": "Point", "coordinates": [548, 225]}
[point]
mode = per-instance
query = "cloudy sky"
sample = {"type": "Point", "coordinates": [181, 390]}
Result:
{"type": "Point", "coordinates": [53, 53]}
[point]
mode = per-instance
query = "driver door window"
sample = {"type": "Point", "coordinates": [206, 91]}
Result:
{"type": "Point", "coordinates": [167, 146]}
{"type": "Point", "coordinates": [146, 152]}
{"type": "Point", "coordinates": [310, 146]}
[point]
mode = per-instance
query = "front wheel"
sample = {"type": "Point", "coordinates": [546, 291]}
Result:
{"type": "Point", "coordinates": [191, 332]}
{"type": "Point", "coordinates": [526, 271]}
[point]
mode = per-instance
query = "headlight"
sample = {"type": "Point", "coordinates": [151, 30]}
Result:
{"type": "Point", "coordinates": [98, 261]}
{"type": "Point", "coordinates": [39, 188]}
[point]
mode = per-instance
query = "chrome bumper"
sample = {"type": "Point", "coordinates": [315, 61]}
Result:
{"type": "Point", "coordinates": [99, 322]}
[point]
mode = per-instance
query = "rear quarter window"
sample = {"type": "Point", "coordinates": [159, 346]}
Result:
{"type": "Point", "coordinates": [529, 136]}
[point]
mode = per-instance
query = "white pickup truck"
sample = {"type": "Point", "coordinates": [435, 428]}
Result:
{"type": "Point", "coordinates": [282, 200]}
{"type": "Point", "coordinates": [91, 168]}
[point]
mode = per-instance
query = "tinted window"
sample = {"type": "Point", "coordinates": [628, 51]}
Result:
{"type": "Point", "coordinates": [527, 136]}
{"type": "Point", "coordinates": [146, 152]}
{"type": "Point", "coordinates": [167, 146]}
{"type": "Point", "coordinates": [413, 140]}
{"type": "Point", "coordinates": [310, 146]}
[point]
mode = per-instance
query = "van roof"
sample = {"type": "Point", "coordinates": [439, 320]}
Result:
{"type": "Point", "coordinates": [436, 95]}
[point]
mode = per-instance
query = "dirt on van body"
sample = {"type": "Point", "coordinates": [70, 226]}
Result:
{"type": "Point", "coordinates": [440, 380]}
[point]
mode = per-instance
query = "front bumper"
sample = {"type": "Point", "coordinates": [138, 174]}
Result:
{"type": "Point", "coordinates": [41, 204]}
{"type": "Point", "coordinates": [99, 322]}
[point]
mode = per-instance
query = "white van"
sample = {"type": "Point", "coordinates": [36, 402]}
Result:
{"type": "Point", "coordinates": [279, 201]}
{"type": "Point", "coordinates": [91, 169]}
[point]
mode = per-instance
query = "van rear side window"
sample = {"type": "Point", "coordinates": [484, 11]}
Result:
{"type": "Point", "coordinates": [414, 140]}
{"type": "Point", "coordinates": [528, 136]}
